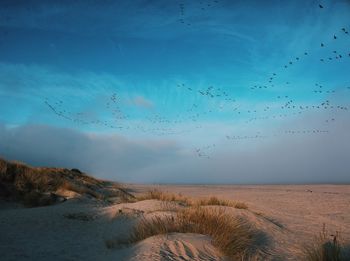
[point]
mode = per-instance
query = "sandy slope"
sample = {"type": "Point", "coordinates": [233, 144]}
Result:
{"type": "Point", "coordinates": [289, 215]}
{"type": "Point", "coordinates": [175, 246]}
{"type": "Point", "coordinates": [301, 209]}
{"type": "Point", "coordinates": [77, 229]}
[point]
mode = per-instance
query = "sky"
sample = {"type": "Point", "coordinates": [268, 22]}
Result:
{"type": "Point", "coordinates": [152, 91]}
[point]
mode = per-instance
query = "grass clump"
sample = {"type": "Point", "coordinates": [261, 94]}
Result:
{"type": "Point", "coordinates": [232, 235]}
{"type": "Point", "coordinates": [186, 201]}
{"type": "Point", "coordinates": [214, 201]}
{"type": "Point", "coordinates": [325, 247]}
{"type": "Point", "coordinates": [164, 196]}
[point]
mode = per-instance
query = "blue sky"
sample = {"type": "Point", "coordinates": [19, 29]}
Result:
{"type": "Point", "coordinates": [194, 75]}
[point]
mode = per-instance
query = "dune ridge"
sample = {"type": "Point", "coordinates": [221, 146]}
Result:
{"type": "Point", "coordinates": [39, 186]}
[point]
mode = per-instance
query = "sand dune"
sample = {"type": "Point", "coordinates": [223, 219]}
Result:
{"type": "Point", "coordinates": [83, 227]}
{"type": "Point", "coordinates": [46, 186]}
{"type": "Point", "coordinates": [176, 246]}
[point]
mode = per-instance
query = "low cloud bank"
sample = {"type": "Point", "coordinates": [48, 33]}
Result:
{"type": "Point", "coordinates": [106, 156]}
{"type": "Point", "coordinates": [322, 158]}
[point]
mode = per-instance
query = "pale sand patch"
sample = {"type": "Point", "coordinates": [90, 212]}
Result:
{"type": "Point", "coordinates": [175, 246]}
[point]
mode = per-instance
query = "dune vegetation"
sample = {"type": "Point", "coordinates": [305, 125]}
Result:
{"type": "Point", "coordinates": [164, 196]}
{"type": "Point", "coordinates": [188, 201]}
{"type": "Point", "coordinates": [326, 247]}
{"type": "Point", "coordinates": [40, 186]}
{"type": "Point", "coordinates": [231, 235]}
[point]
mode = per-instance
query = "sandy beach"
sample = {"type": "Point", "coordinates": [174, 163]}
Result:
{"type": "Point", "coordinates": [78, 229]}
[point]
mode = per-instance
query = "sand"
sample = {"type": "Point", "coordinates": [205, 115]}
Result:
{"type": "Point", "coordinates": [287, 216]}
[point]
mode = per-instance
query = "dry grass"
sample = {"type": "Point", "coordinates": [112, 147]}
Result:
{"type": "Point", "coordinates": [80, 189]}
{"type": "Point", "coordinates": [164, 196]}
{"type": "Point", "coordinates": [32, 185]}
{"type": "Point", "coordinates": [241, 205]}
{"type": "Point", "coordinates": [214, 201]}
{"type": "Point", "coordinates": [231, 235]}
{"type": "Point", "coordinates": [187, 201]}
{"type": "Point", "coordinates": [325, 247]}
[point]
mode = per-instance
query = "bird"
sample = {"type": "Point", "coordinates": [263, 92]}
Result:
{"type": "Point", "coordinates": [322, 45]}
{"type": "Point", "coordinates": [321, 6]}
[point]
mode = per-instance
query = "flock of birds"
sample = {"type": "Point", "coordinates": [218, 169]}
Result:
{"type": "Point", "coordinates": [203, 6]}
{"type": "Point", "coordinates": [283, 106]}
